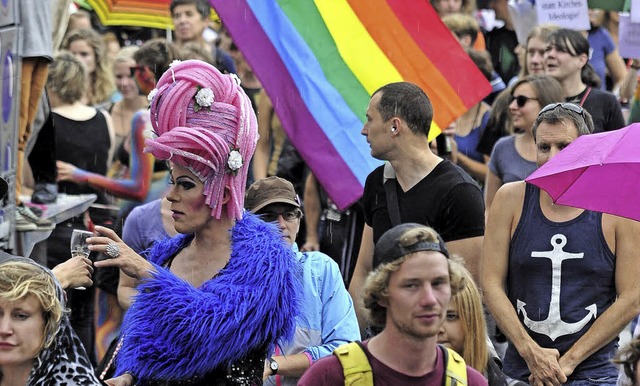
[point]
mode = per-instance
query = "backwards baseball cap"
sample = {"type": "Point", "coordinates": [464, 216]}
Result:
{"type": "Point", "coordinates": [388, 248]}
{"type": "Point", "coordinates": [270, 190]}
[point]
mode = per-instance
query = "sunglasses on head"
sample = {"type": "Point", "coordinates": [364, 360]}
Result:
{"type": "Point", "coordinates": [567, 106]}
{"type": "Point", "coordinates": [521, 100]}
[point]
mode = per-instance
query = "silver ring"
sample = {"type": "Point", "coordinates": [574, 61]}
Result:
{"type": "Point", "coordinates": [113, 250]}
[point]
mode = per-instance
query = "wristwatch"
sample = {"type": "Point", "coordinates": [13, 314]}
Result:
{"type": "Point", "coordinates": [273, 365]}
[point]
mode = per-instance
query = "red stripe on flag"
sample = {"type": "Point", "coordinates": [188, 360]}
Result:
{"type": "Point", "coordinates": [434, 38]}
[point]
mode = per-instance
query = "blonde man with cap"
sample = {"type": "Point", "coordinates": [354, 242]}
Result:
{"type": "Point", "coordinates": [407, 295]}
{"type": "Point", "coordinates": [328, 318]}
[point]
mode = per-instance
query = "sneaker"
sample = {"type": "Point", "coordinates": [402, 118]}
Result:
{"type": "Point", "coordinates": [37, 211]}
{"type": "Point", "coordinates": [24, 225]}
{"type": "Point", "coordinates": [27, 214]}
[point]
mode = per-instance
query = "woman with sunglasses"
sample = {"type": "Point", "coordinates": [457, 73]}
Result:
{"type": "Point", "coordinates": [513, 157]}
{"type": "Point", "coordinates": [566, 59]}
{"type": "Point", "coordinates": [560, 282]}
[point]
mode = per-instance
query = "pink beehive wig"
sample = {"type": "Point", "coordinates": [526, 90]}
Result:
{"type": "Point", "coordinates": [202, 140]}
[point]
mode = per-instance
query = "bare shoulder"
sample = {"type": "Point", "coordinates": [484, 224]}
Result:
{"type": "Point", "coordinates": [509, 198]}
{"type": "Point", "coordinates": [512, 190]}
{"type": "Point", "coordinates": [619, 231]}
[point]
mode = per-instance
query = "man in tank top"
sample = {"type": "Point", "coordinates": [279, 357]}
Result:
{"type": "Point", "coordinates": [561, 282]}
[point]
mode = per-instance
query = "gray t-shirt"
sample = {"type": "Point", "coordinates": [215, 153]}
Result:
{"type": "Point", "coordinates": [507, 164]}
{"type": "Point", "coordinates": [35, 20]}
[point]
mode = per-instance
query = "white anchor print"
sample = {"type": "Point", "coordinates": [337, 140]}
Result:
{"type": "Point", "coordinates": [553, 326]}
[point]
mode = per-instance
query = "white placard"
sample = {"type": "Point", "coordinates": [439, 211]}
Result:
{"type": "Point", "coordinates": [635, 11]}
{"type": "Point", "coordinates": [523, 15]}
{"type": "Point", "coordinates": [571, 14]}
{"type": "Point", "coordinates": [629, 41]}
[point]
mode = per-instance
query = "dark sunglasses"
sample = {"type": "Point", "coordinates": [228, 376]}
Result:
{"type": "Point", "coordinates": [521, 100]}
{"type": "Point", "coordinates": [287, 216]}
{"type": "Point", "coordinates": [567, 106]}
{"type": "Point", "coordinates": [136, 69]}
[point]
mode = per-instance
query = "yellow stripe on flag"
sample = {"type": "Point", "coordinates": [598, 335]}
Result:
{"type": "Point", "coordinates": [360, 52]}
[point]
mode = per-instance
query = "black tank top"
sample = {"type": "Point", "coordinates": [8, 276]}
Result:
{"type": "Point", "coordinates": [84, 144]}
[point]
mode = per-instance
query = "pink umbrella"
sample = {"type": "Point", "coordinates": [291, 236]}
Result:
{"type": "Point", "coordinates": [599, 172]}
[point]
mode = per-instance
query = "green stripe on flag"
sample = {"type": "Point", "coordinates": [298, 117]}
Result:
{"type": "Point", "coordinates": [307, 20]}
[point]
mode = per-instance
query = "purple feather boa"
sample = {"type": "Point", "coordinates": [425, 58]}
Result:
{"type": "Point", "coordinates": [174, 331]}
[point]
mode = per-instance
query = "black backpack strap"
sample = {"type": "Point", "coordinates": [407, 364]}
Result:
{"type": "Point", "coordinates": [390, 189]}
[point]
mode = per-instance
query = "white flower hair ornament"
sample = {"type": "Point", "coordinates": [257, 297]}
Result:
{"type": "Point", "coordinates": [204, 99]}
{"type": "Point", "coordinates": [235, 162]}
{"type": "Point", "coordinates": [235, 78]}
{"type": "Point", "coordinates": [152, 94]}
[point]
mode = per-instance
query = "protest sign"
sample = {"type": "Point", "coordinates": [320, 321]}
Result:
{"type": "Point", "coordinates": [571, 14]}
{"type": "Point", "coordinates": [629, 34]}
{"type": "Point", "coordinates": [635, 11]}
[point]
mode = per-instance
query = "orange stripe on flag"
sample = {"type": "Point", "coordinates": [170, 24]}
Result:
{"type": "Point", "coordinates": [410, 61]}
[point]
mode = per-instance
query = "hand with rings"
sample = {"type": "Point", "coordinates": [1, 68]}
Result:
{"type": "Point", "coordinates": [120, 254]}
{"type": "Point", "coordinates": [113, 250]}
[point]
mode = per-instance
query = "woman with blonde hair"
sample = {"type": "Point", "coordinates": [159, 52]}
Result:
{"type": "Point", "coordinates": [534, 50]}
{"type": "Point", "coordinates": [83, 137]}
{"type": "Point", "coordinates": [88, 46]}
{"type": "Point", "coordinates": [39, 347]}
{"type": "Point", "coordinates": [464, 328]}
{"type": "Point", "coordinates": [132, 101]}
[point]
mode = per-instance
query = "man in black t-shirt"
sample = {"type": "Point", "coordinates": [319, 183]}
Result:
{"type": "Point", "coordinates": [429, 190]}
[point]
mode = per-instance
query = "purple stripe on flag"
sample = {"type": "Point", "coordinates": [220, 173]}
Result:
{"type": "Point", "coordinates": [335, 176]}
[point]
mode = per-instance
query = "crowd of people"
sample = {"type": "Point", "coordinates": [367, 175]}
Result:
{"type": "Point", "coordinates": [231, 265]}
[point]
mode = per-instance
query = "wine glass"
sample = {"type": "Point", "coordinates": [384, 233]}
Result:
{"type": "Point", "coordinates": [79, 245]}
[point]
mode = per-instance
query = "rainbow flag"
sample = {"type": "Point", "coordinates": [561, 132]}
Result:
{"type": "Point", "coordinates": [135, 13]}
{"type": "Point", "coordinates": [321, 60]}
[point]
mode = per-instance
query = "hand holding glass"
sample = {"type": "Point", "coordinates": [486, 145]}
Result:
{"type": "Point", "coordinates": [79, 245]}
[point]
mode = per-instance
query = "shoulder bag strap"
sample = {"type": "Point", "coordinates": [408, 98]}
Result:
{"type": "Point", "coordinates": [389, 182]}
